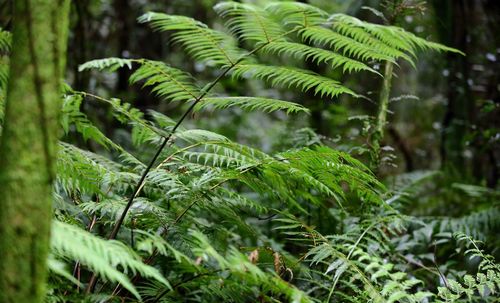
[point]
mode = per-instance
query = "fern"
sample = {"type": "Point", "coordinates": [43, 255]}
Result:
{"type": "Point", "coordinates": [482, 287]}
{"type": "Point", "coordinates": [200, 41]}
{"type": "Point", "coordinates": [210, 219]}
{"type": "Point", "coordinates": [5, 43]}
{"type": "Point", "coordinates": [317, 55]}
{"type": "Point", "coordinates": [286, 76]}
{"type": "Point", "coordinates": [101, 256]}
{"type": "Point", "coordinates": [251, 104]}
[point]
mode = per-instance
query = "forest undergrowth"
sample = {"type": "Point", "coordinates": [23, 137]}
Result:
{"type": "Point", "coordinates": [162, 211]}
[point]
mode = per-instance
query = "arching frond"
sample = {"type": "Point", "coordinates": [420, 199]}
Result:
{"type": "Point", "coordinates": [71, 115]}
{"type": "Point", "coordinates": [107, 64]}
{"type": "Point", "coordinates": [343, 44]}
{"type": "Point", "coordinates": [393, 36]}
{"type": "Point", "coordinates": [5, 41]}
{"type": "Point", "coordinates": [250, 22]}
{"type": "Point", "coordinates": [317, 55]}
{"type": "Point", "coordinates": [297, 13]}
{"type": "Point", "coordinates": [100, 255]}
{"type": "Point", "coordinates": [251, 104]}
{"type": "Point", "coordinates": [201, 42]}
{"type": "Point", "coordinates": [287, 76]}
{"type": "Point", "coordinates": [166, 82]}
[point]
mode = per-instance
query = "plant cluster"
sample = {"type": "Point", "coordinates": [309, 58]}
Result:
{"type": "Point", "coordinates": [175, 214]}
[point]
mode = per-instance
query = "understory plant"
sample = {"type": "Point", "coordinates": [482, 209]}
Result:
{"type": "Point", "coordinates": [177, 214]}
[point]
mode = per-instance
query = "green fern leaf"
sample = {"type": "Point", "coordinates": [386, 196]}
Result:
{"type": "Point", "coordinates": [100, 255]}
{"type": "Point", "coordinates": [166, 82]}
{"type": "Point", "coordinates": [107, 64]}
{"type": "Point", "coordinates": [287, 76]}
{"type": "Point", "coordinates": [201, 42]}
{"type": "Point", "coordinates": [251, 104]}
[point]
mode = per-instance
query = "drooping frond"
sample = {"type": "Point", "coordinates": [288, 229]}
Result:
{"type": "Point", "coordinates": [392, 36]}
{"type": "Point", "coordinates": [87, 172]}
{"type": "Point", "coordinates": [243, 269]}
{"type": "Point", "coordinates": [296, 13]}
{"type": "Point", "coordinates": [71, 115]}
{"type": "Point", "coordinates": [339, 43]}
{"type": "Point", "coordinates": [332, 168]}
{"type": "Point", "coordinates": [166, 82]}
{"type": "Point", "coordinates": [288, 77]}
{"type": "Point", "coordinates": [108, 64]}
{"type": "Point", "coordinates": [5, 41]}
{"type": "Point", "coordinates": [251, 104]}
{"type": "Point", "coordinates": [251, 22]}
{"type": "Point", "coordinates": [59, 268]}
{"type": "Point", "coordinates": [200, 41]}
{"type": "Point", "coordinates": [104, 257]}
{"type": "Point", "coordinates": [317, 55]}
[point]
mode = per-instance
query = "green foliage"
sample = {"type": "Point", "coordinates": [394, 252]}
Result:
{"type": "Point", "coordinates": [251, 104]}
{"type": "Point", "coordinates": [220, 221]}
{"type": "Point", "coordinates": [102, 257]}
{"type": "Point", "coordinates": [5, 42]}
{"type": "Point", "coordinates": [481, 287]}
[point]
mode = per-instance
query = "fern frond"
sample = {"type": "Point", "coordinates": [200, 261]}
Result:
{"type": "Point", "coordinates": [362, 36]}
{"type": "Point", "coordinates": [297, 14]}
{"type": "Point", "coordinates": [343, 44]}
{"type": "Point", "coordinates": [392, 36]}
{"type": "Point", "coordinates": [250, 22]}
{"type": "Point", "coordinates": [167, 82]}
{"type": "Point", "coordinates": [317, 55]}
{"type": "Point", "coordinates": [250, 104]}
{"type": "Point", "coordinates": [101, 256]}
{"type": "Point", "coordinates": [239, 265]}
{"type": "Point", "coordinates": [288, 76]}
{"type": "Point", "coordinates": [58, 267]}
{"type": "Point", "coordinates": [71, 115]}
{"type": "Point", "coordinates": [201, 42]}
{"type": "Point", "coordinates": [484, 286]}
{"type": "Point", "coordinates": [200, 136]}
{"type": "Point", "coordinates": [5, 41]}
{"type": "Point", "coordinates": [107, 64]}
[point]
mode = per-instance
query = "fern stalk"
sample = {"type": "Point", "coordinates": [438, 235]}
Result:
{"type": "Point", "coordinates": [381, 118]}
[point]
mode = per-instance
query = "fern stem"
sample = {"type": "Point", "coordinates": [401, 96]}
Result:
{"type": "Point", "coordinates": [381, 118]}
{"type": "Point", "coordinates": [140, 184]}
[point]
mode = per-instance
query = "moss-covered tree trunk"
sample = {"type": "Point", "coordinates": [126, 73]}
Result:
{"type": "Point", "coordinates": [28, 146]}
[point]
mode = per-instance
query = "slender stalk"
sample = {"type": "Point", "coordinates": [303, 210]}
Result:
{"type": "Point", "coordinates": [381, 118]}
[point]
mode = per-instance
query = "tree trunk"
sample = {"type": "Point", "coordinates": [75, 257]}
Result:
{"type": "Point", "coordinates": [453, 28]}
{"type": "Point", "coordinates": [28, 146]}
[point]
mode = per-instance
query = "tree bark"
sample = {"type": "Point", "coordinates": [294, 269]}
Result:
{"type": "Point", "coordinates": [28, 146]}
